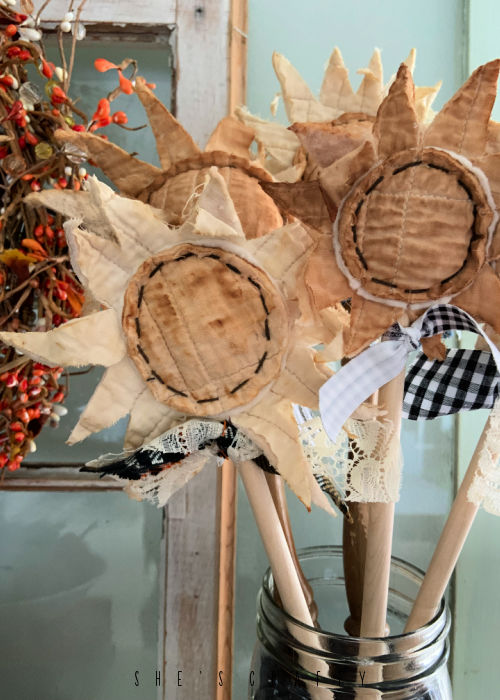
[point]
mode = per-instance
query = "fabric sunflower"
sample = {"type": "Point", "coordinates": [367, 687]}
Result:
{"type": "Point", "coordinates": [200, 321]}
{"type": "Point", "coordinates": [414, 211]}
{"type": "Point", "coordinates": [329, 126]}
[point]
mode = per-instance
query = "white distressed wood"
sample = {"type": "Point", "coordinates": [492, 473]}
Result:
{"type": "Point", "coordinates": [202, 28]}
{"type": "Point", "coordinates": [201, 99]}
{"type": "Point", "coordinates": [117, 11]}
{"type": "Point", "coordinates": [190, 573]}
{"type": "Point", "coordinates": [192, 594]}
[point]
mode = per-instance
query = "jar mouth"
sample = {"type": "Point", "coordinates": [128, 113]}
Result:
{"type": "Point", "coordinates": [308, 553]}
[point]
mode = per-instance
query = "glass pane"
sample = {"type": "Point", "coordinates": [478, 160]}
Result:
{"type": "Point", "coordinates": [155, 64]}
{"type": "Point", "coordinates": [79, 596]}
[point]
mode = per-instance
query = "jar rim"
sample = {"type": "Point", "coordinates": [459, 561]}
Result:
{"type": "Point", "coordinates": [336, 551]}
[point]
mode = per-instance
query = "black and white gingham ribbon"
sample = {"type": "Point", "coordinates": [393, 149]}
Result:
{"type": "Point", "coordinates": [464, 381]}
{"type": "Point", "coordinates": [381, 362]}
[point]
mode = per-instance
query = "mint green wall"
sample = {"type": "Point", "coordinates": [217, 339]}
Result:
{"type": "Point", "coordinates": [306, 32]}
{"type": "Point", "coordinates": [484, 33]}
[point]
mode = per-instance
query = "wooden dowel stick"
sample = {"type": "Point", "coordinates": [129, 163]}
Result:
{"type": "Point", "coordinates": [277, 489]}
{"type": "Point", "coordinates": [379, 533]}
{"type": "Point", "coordinates": [275, 544]}
{"type": "Point", "coordinates": [448, 549]}
{"type": "Point", "coordinates": [354, 534]}
{"type": "Point", "coordinates": [354, 537]}
{"type": "Point", "coordinates": [282, 566]}
{"type": "Point", "coordinates": [227, 555]}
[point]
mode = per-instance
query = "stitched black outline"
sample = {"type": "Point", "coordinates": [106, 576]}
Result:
{"type": "Point", "coordinates": [261, 362]}
{"type": "Point", "coordinates": [176, 391]}
{"type": "Point", "coordinates": [155, 270]}
{"type": "Point", "coordinates": [139, 299]}
{"type": "Point", "coordinates": [238, 386]}
{"type": "Point", "coordinates": [375, 184]}
{"type": "Point", "coordinates": [141, 352]}
{"type": "Point", "coordinates": [267, 333]}
{"type": "Point", "coordinates": [384, 282]}
{"type": "Point", "coordinates": [413, 164]}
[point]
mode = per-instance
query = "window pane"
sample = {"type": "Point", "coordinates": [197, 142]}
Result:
{"type": "Point", "coordinates": [79, 596]}
{"type": "Point", "coordinates": [155, 64]}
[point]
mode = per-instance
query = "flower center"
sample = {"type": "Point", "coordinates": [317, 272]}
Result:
{"type": "Point", "coordinates": [415, 228]}
{"type": "Point", "coordinates": [206, 329]}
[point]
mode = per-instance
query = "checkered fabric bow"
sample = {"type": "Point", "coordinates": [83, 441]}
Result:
{"type": "Point", "coordinates": [381, 362]}
{"type": "Point", "coordinates": [464, 381]}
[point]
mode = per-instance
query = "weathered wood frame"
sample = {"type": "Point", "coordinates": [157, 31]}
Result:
{"type": "Point", "coordinates": [208, 38]}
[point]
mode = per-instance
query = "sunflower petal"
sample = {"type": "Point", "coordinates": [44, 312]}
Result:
{"type": "Point", "coordinates": [462, 124]}
{"type": "Point", "coordinates": [173, 143]}
{"type": "Point", "coordinates": [96, 339]}
{"type": "Point", "coordinates": [129, 174]}
{"type": "Point", "coordinates": [113, 398]}
{"type": "Point", "coordinates": [396, 125]}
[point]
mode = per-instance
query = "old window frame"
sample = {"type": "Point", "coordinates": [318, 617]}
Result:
{"type": "Point", "coordinates": [197, 560]}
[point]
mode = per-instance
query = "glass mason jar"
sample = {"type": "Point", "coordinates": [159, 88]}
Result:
{"type": "Point", "coordinates": [292, 660]}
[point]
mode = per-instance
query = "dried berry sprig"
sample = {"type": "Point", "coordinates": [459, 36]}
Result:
{"type": "Point", "coordinates": [38, 289]}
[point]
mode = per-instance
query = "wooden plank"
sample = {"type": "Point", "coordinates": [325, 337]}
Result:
{"type": "Point", "coordinates": [122, 11]}
{"type": "Point", "coordinates": [190, 641]}
{"type": "Point", "coordinates": [202, 65]}
{"type": "Point", "coordinates": [66, 477]}
{"type": "Point", "coordinates": [238, 45]}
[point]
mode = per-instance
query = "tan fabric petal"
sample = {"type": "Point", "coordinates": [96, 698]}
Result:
{"type": "Point", "coordinates": [410, 60]}
{"type": "Point", "coordinates": [338, 178]}
{"type": "Point", "coordinates": [301, 199]}
{"type": "Point", "coordinates": [490, 165]}
{"type": "Point", "coordinates": [72, 205]}
{"type": "Point", "coordinates": [92, 340]}
{"type": "Point", "coordinates": [481, 299]}
{"type": "Point", "coordinates": [283, 254]}
{"type": "Point", "coordinates": [326, 283]}
{"type": "Point", "coordinates": [271, 424]}
{"type": "Point", "coordinates": [96, 261]}
{"type": "Point", "coordinates": [113, 398]}
{"type": "Point", "coordinates": [148, 419]}
{"type": "Point", "coordinates": [173, 143]}
{"type": "Point", "coordinates": [215, 214]}
{"type": "Point", "coordinates": [424, 97]}
{"type": "Point", "coordinates": [396, 125]}
{"type": "Point", "coordinates": [462, 124]}
{"type": "Point", "coordinates": [137, 228]}
{"type": "Point", "coordinates": [335, 319]}
{"type": "Point", "coordinates": [326, 143]}
{"type": "Point", "coordinates": [233, 136]}
{"type": "Point", "coordinates": [369, 320]}
{"type": "Point", "coordinates": [371, 90]}
{"type": "Point", "coordinates": [336, 90]}
{"type": "Point", "coordinates": [277, 146]}
{"type": "Point", "coordinates": [300, 103]}
{"type": "Point", "coordinates": [301, 378]}
{"type": "Point", "coordinates": [129, 174]}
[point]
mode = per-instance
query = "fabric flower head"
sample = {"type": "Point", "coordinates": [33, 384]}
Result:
{"type": "Point", "coordinates": [327, 126]}
{"type": "Point", "coordinates": [200, 321]}
{"type": "Point", "coordinates": [415, 213]}
{"type": "Point", "coordinates": [184, 167]}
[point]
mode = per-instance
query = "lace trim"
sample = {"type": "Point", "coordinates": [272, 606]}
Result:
{"type": "Point", "coordinates": [485, 488]}
{"type": "Point", "coordinates": [364, 462]}
{"type": "Point", "coordinates": [157, 470]}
